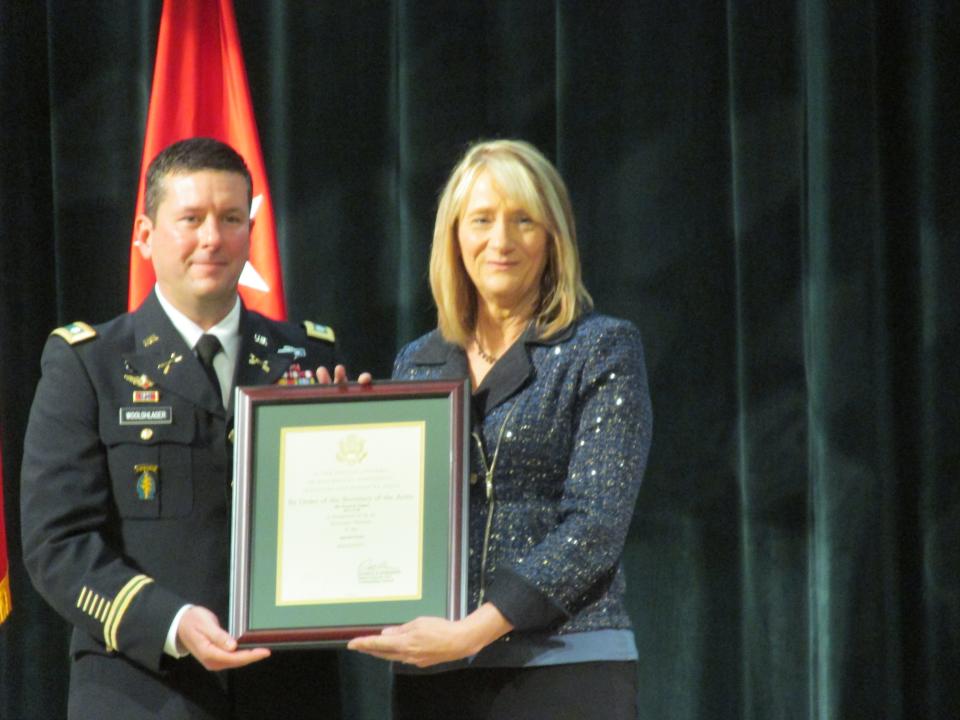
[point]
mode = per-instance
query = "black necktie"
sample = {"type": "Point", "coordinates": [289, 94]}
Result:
{"type": "Point", "coordinates": [207, 348]}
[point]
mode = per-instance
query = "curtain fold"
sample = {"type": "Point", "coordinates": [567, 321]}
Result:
{"type": "Point", "coordinates": [768, 190]}
{"type": "Point", "coordinates": [930, 324]}
{"type": "Point", "coordinates": [854, 625]}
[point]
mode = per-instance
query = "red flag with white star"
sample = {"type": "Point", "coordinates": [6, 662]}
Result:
{"type": "Point", "coordinates": [200, 89]}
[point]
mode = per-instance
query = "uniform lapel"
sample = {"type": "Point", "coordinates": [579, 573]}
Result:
{"type": "Point", "coordinates": [259, 362]}
{"type": "Point", "coordinates": [162, 359]}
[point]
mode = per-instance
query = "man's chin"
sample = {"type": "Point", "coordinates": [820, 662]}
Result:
{"type": "Point", "coordinates": [214, 292]}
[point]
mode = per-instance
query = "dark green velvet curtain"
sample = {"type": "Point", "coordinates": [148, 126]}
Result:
{"type": "Point", "coordinates": [767, 189]}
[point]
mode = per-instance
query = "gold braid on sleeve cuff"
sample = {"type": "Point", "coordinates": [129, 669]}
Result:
{"type": "Point", "coordinates": [119, 607]}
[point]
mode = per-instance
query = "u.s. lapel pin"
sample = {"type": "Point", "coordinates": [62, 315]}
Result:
{"type": "Point", "coordinates": [150, 340]}
{"type": "Point", "coordinates": [260, 339]}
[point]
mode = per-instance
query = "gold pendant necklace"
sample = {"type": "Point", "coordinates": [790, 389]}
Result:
{"type": "Point", "coordinates": [489, 358]}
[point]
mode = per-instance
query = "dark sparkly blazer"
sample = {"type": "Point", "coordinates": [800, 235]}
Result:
{"type": "Point", "coordinates": [572, 419]}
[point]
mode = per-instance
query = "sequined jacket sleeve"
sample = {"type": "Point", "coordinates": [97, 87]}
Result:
{"type": "Point", "coordinates": [610, 429]}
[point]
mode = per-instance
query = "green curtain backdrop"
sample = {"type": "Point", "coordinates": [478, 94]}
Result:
{"type": "Point", "coordinates": [767, 189]}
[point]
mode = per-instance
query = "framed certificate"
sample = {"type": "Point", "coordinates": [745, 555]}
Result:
{"type": "Point", "coordinates": [349, 510]}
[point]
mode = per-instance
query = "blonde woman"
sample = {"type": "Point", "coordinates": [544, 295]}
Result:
{"type": "Point", "coordinates": [561, 431]}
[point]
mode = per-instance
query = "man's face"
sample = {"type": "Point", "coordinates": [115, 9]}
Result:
{"type": "Point", "coordinates": [199, 241]}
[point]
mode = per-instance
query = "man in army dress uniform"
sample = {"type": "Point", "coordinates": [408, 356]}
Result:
{"type": "Point", "coordinates": [127, 462]}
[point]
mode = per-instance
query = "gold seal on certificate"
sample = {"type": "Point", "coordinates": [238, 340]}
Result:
{"type": "Point", "coordinates": [349, 509]}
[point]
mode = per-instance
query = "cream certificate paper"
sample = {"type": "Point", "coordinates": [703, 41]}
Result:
{"type": "Point", "coordinates": [350, 513]}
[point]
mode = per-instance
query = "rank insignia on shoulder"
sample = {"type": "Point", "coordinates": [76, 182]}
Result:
{"type": "Point", "coordinates": [320, 332]}
{"type": "Point", "coordinates": [75, 332]}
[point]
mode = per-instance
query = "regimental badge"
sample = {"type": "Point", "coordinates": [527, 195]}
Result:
{"type": "Point", "coordinates": [318, 331]}
{"type": "Point", "coordinates": [147, 476]}
{"type": "Point", "coordinates": [148, 341]}
{"type": "Point", "coordinates": [75, 332]}
{"type": "Point", "coordinates": [146, 396]}
{"type": "Point", "coordinates": [297, 352]}
{"type": "Point", "coordinates": [140, 381]}
{"type": "Point", "coordinates": [260, 339]}
{"type": "Point", "coordinates": [165, 365]}
{"type": "Point", "coordinates": [264, 364]}
{"type": "Point", "coordinates": [352, 450]}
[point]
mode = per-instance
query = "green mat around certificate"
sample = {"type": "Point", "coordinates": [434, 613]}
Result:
{"type": "Point", "coordinates": [349, 509]}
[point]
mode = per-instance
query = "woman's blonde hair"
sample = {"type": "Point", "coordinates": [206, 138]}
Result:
{"type": "Point", "coordinates": [523, 174]}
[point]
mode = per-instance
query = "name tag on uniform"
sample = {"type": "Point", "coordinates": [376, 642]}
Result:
{"type": "Point", "coordinates": [162, 415]}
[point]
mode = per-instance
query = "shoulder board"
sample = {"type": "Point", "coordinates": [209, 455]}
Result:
{"type": "Point", "coordinates": [320, 332]}
{"type": "Point", "coordinates": [75, 332]}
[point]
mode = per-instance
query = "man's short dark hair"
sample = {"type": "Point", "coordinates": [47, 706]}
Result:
{"type": "Point", "coordinates": [189, 156]}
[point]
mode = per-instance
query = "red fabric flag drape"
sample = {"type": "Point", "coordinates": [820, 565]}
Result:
{"type": "Point", "coordinates": [200, 89]}
{"type": "Point", "coordinates": [6, 603]}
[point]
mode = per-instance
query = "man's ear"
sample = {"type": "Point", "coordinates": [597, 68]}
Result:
{"type": "Point", "coordinates": [143, 231]}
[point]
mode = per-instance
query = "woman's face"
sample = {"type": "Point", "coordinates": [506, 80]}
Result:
{"type": "Point", "coordinates": [504, 250]}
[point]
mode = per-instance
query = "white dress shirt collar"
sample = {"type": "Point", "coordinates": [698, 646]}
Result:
{"type": "Point", "coordinates": [227, 332]}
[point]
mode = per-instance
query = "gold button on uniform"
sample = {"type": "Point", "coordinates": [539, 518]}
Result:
{"type": "Point", "coordinates": [231, 435]}
{"type": "Point", "coordinates": [146, 434]}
